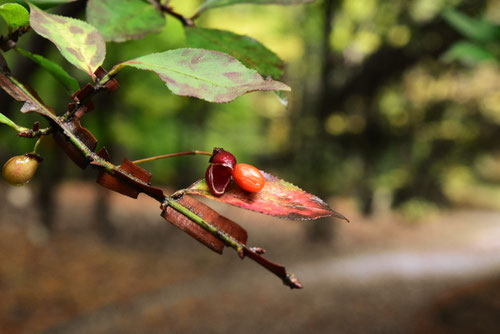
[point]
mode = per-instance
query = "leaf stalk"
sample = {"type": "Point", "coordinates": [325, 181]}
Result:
{"type": "Point", "coordinates": [7, 121]}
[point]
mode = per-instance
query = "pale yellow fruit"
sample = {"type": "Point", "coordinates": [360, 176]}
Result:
{"type": "Point", "coordinates": [20, 169]}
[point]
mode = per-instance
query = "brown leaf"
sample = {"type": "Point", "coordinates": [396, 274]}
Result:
{"type": "Point", "coordinates": [196, 231]}
{"type": "Point", "coordinates": [130, 180]}
{"type": "Point", "coordinates": [84, 135]}
{"type": "Point", "coordinates": [24, 93]}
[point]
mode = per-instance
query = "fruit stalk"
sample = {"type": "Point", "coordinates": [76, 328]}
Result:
{"type": "Point", "coordinates": [164, 156]}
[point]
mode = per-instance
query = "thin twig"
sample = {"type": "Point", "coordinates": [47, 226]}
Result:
{"type": "Point", "coordinates": [30, 133]}
{"type": "Point", "coordinates": [8, 42]}
{"type": "Point", "coordinates": [167, 9]}
{"type": "Point", "coordinates": [164, 156]}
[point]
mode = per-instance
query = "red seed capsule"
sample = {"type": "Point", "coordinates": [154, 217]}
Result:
{"type": "Point", "coordinates": [217, 177]}
{"type": "Point", "coordinates": [248, 178]}
{"type": "Point", "coordinates": [218, 174]}
{"type": "Point", "coordinates": [219, 156]}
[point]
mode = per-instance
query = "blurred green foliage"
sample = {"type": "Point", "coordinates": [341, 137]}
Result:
{"type": "Point", "coordinates": [392, 102]}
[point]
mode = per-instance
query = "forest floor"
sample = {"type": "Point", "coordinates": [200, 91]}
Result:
{"type": "Point", "coordinates": [377, 275]}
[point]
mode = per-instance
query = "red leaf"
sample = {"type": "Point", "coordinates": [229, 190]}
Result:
{"type": "Point", "coordinates": [278, 198]}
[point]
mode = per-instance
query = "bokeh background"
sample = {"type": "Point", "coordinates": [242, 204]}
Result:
{"type": "Point", "coordinates": [394, 119]}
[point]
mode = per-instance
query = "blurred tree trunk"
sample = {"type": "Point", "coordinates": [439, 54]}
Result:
{"type": "Point", "coordinates": [50, 176]}
{"type": "Point", "coordinates": [50, 172]}
{"type": "Point", "coordinates": [320, 231]}
{"type": "Point", "coordinates": [52, 169]}
{"type": "Point", "coordinates": [195, 116]}
{"type": "Point", "coordinates": [385, 65]}
{"type": "Point", "coordinates": [102, 217]}
{"type": "Point", "coordinates": [55, 166]}
{"type": "Point", "coordinates": [102, 221]}
{"type": "Point", "coordinates": [323, 95]}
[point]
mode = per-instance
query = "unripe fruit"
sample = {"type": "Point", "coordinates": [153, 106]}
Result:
{"type": "Point", "coordinates": [248, 178]}
{"type": "Point", "coordinates": [20, 169]}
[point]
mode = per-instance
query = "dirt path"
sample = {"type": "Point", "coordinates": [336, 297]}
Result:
{"type": "Point", "coordinates": [387, 290]}
{"type": "Point", "coordinates": [380, 276]}
{"type": "Point", "coordinates": [342, 296]}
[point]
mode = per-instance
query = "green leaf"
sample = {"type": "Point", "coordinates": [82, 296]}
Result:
{"type": "Point", "coordinates": [79, 42]}
{"type": "Point", "coordinates": [205, 74]}
{"type": "Point", "coordinates": [121, 20]}
{"type": "Point", "coordinates": [249, 51]}
{"type": "Point", "coordinates": [220, 3]}
{"type": "Point", "coordinates": [246, 49]}
{"type": "Point", "coordinates": [42, 3]}
{"type": "Point", "coordinates": [50, 2]}
{"type": "Point", "coordinates": [68, 82]}
{"type": "Point", "coordinates": [468, 53]}
{"type": "Point", "coordinates": [477, 29]}
{"type": "Point", "coordinates": [15, 15]}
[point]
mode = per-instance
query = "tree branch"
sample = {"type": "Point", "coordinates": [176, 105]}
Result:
{"type": "Point", "coordinates": [59, 125]}
{"type": "Point", "coordinates": [9, 42]}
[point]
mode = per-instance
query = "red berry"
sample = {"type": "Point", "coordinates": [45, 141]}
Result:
{"type": "Point", "coordinates": [248, 178]}
{"type": "Point", "coordinates": [20, 169]}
